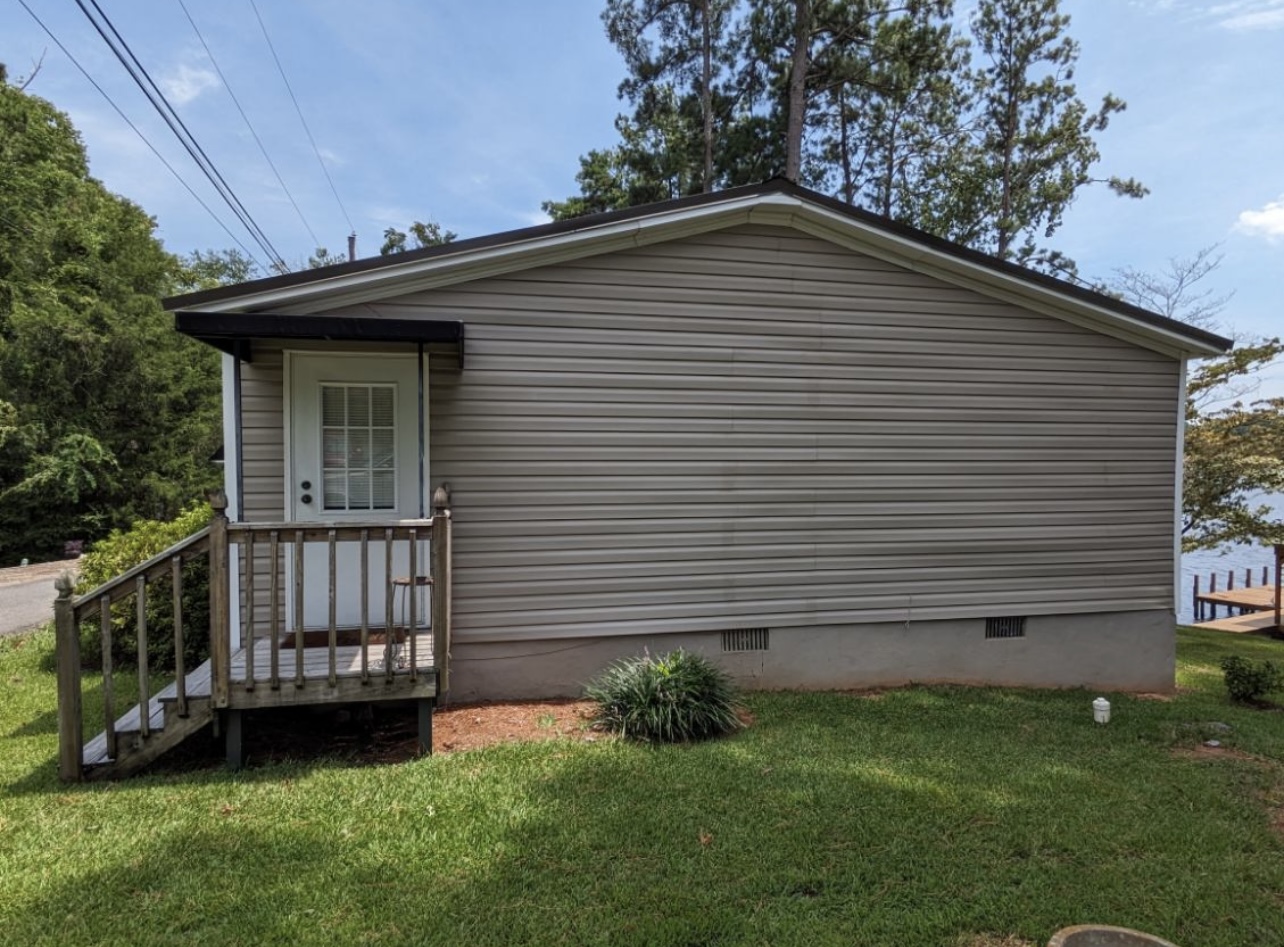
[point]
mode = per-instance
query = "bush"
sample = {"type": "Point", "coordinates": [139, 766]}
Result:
{"type": "Point", "coordinates": [1249, 681]}
{"type": "Point", "coordinates": [120, 552]}
{"type": "Point", "coordinates": [671, 699]}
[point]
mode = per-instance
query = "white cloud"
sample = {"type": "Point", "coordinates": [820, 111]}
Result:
{"type": "Point", "coordinates": [187, 82]}
{"type": "Point", "coordinates": [1249, 14]}
{"type": "Point", "coordinates": [1267, 222]}
{"type": "Point", "coordinates": [1238, 15]}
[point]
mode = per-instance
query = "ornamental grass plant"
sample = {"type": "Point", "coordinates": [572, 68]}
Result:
{"type": "Point", "coordinates": [675, 698]}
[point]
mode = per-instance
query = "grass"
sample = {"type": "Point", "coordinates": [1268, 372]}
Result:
{"type": "Point", "coordinates": [924, 816]}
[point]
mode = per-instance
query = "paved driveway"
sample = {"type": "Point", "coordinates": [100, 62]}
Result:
{"type": "Point", "coordinates": [27, 594]}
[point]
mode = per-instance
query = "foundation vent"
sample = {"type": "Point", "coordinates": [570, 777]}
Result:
{"type": "Point", "coordinates": [1012, 627]}
{"type": "Point", "coordinates": [746, 639]}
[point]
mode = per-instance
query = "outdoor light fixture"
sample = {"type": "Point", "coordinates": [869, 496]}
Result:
{"type": "Point", "coordinates": [1101, 710]}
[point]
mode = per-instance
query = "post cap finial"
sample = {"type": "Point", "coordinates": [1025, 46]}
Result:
{"type": "Point", "coordinates": [441, 498]}
{"type": "Point", "coordinates": [218, 500]}
{"type": "Point", "coordinates": [64, 584]}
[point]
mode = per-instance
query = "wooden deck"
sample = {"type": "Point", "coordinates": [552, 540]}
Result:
{"type": "Point", "coordinates": [1255, 598]}
{"type": "Point", "coordinates": [353, 680]}
{"type": "Point", "coordinates": [1248, 623]}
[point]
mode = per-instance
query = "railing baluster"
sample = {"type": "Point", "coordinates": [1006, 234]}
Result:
{"type": "Point", "coordinates": [250, 606]}
{"type": "Point", "coordinates": [390, 631]}
{"type": "Point", "coordinates": [413, 591]}
{"type": "Point", "coordinates": [274, 594]}
{"type": "Point", "coordinates": [333, 643]}
{"type": "Point", "coordinates": [109, 687]}
{"type": "Point", "coordinates": [365, 606]}
{"type": "Point", "coordinates": [144, 687]}
{"type": "Point", "coordinates": [298, 608]}
{"type": "Point", "coordinates": [180, 661]}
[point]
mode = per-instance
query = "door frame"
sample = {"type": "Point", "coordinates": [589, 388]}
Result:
{"type": "Point", "coordinates": [420, 403]}
{"type": "Point", "coordinates": [418, 399]}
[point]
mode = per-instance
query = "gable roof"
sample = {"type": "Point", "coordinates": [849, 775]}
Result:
{"type": "Point", "coordinates": [773, 202]}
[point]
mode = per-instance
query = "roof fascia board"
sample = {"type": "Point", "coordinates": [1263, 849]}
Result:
{"type": "Point", "coordinates": [438, 272]}
{"type": "Point", "coordinates": [892, 248]}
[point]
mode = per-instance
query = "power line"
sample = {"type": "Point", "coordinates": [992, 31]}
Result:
{"type": "Point", "coordinates": [315, 150]}
{"type": "Point", "coordinates": [160, 157]}
{"type": "Point", "coordinates": [228, 86]}
{"type": "Point", "coordinates": [116, 43]}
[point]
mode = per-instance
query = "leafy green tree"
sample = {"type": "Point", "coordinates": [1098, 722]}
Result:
{"type": "Point", "coordinates": [1234, 454]}
{"type": "Point", "coordinates": [1033, 144]}
{"type": "Point", "coordinates": [106, 414]}
{"type": "Point", "coordinates": [1234, 443]}
{"type": "Point", "coordinates": [208, 269]}
{"type": "Point", "coordinates": [424, 235]}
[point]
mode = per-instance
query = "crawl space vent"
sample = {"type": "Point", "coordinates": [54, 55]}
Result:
{"type": "Point", "coordinates": [746, 639]}
{"type": "Point", "coordinates": [1005, 627]}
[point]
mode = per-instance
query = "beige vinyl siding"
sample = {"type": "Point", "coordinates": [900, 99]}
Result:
{"type": "Point", "coordinates": [756, 428]}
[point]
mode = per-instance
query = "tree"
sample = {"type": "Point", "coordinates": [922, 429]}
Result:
{"type": "Point", "coordinates": [1234, 445]}
{"type": "Point", "coordinates": [679, 44]}
{"type": "Point", "coordinates": [424, 235]}
{"type": "Point", "coordinates": [1172, 293]}
{"type": "Point", "coordinates": [106, 413]}
{"type": "Point", "coordinates": [1033, 144]}
{"type": "Point", "coordinates": [207, 269]}
{"type": "Point", "coordinates": [1234, 454]}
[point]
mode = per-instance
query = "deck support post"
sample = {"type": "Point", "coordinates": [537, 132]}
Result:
{"type": "Point", "coordinates": [425, 709]}
{"type": "Point", "coordinates": [220, 603]}
{"type": "Point", "coordinates": [442, 558]}
{"type": "Point", "coordinates": [71, 726]}
{"type": "Point", "coordinates": [232, 727]}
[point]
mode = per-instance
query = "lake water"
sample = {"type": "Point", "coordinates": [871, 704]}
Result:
{"type": "Point", "coordinates": [1237, 558]}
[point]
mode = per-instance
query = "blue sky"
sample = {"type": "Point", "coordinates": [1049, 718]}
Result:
{"type": "Point", "coordinates": [472, 114]}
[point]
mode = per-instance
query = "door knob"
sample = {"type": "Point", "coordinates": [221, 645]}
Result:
{"type": "Point", "coordinates": [306, 484]}
{"type": "Point", "coordinates": [306, 498]}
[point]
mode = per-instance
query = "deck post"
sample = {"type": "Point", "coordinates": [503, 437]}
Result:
{"type": "Point", "coordinates": [425, 709]}
{"type": "Point", "coordinates": [232, 729]}
{"type": "Point", "coordinates": [1279, 584]}
{"type": "Point", "coordinates": [440, 571]}
{"type": "Point", "coordinates": [220, 602]}
{"type": "Point", "coordinates": [71, 727]}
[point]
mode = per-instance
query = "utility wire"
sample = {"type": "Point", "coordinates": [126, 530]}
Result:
{"type": "Point", "coordinates": [144, 81]}
{"type": "Point", "coordinates": [125, 118]}
{"type": "Point", "coordinates": [228, 86]}
{"type": "Point", "coordinates": [315, 150]}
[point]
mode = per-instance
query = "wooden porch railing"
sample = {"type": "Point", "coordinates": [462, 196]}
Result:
{"type": "Point", "coordinates": [263, 553]}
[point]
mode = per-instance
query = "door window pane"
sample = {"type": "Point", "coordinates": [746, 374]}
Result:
{"type": "Point", "coordinates": [358, 447]}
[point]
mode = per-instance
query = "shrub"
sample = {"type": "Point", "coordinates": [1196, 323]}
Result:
{"type": "Point", "coordinates": [120, 552]}
{"type": "Point", "coordinates": [1248, 681]}
{"type": "Point", "coordinates": [670, 699]}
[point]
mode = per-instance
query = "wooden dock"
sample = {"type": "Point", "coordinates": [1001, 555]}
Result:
{"type": "Point", "coordinates": [1249, 609]}
{"type": "Point", "coordinates": [1246, 624]}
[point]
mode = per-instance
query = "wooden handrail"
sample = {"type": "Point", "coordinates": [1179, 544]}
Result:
{"type": "Point", "coordinates": [158, 565]}
{"type": "Point", "coordinates": [216, 542]}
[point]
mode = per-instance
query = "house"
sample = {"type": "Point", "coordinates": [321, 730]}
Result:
{"type": "Point", "coordinates": [827, 450]}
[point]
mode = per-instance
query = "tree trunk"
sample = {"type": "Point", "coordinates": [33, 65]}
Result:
{"type": "Point", "coordinates": [798, 90]}
{"type": "Point", "coordinates": [706, 97]}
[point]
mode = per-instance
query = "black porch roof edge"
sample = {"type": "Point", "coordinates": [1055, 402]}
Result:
{"type": "Point", "coordinates": [229, 331]}
{"type": "Point", "coordinates": [773, 186]}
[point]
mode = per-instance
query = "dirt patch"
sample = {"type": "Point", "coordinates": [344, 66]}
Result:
{"type": "Point", "coordinates": [1203, 751]}
{"type": "Point", "coordinates": [1164, 698]}
{"type": "Point", "coordinates": [473, 726]}
{"type": "Point", "coordinates": [993, 940]}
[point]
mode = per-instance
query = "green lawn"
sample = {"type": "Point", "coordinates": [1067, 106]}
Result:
{"type": "Point", "coordinates": [924, 816]}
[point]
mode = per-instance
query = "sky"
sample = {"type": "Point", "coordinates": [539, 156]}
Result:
{"type": "Point", "coordinates": [472, 114]}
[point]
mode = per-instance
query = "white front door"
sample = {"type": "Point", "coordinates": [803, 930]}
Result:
{"type": "Point", "coordinates": [354, 457]}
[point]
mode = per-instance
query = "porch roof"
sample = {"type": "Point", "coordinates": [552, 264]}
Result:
{"type": "Point", "coordinates": [234, 332]}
